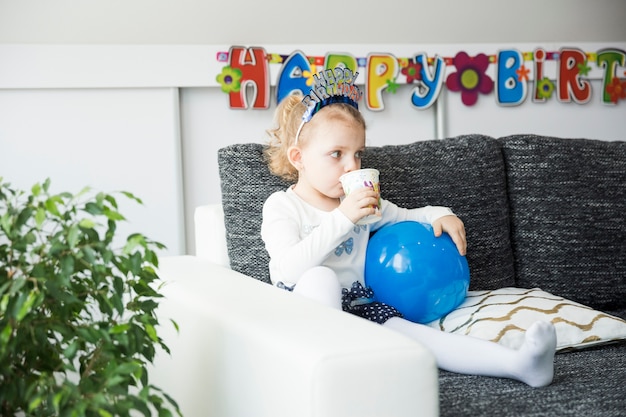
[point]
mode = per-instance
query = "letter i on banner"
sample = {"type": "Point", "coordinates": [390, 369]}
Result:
{"type": "Point", "coordinates": [254, 68]}
{"type": "Point", "coordinates": [380, 69]}
{"type": "Point", "coordinates": [540, 57]}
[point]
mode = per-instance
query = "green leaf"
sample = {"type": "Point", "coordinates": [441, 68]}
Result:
{"type": "Point", "coordinates": [164, 412]}
{"type": "Point", "coordinates": [120, 328]}
{"type": "Point", "coordinates": [93, 208]}
{"type": "Point", "coordinates": [116, 300]}
{"type": "Point", "coordinates": [114, 380]}
{"type": "Point", "coordinates": [81, 193]}
{"type": "Point", "coordinates": [152, 332]}
{"type": "Point", "coordinates": [73, 235]}
{"type": "Point", "coordinates": [132, 197]}
{"type": "Point", "coordinates": [26, 306]}
{"type": "Point", "coordinates": [46, 185]}
{"type": "Point", "coordinates": [133, 242]}
{"type": "Point", "coordinates": [104, 413]}
{"type": "Point", "coordinates": [112, 214]}
{"type": "Point", "coordinates": [17, 285]}
{"type": "Point", "coordinates": [70, 351]}
{"type": "Point", "coordinates": [23, 217]}
{"type": "Point", "coordinates": [51, 206]}
{"type": "Point", "coordinates": [5, 223]}
{"type": "Point", "coordinates": [40, 217]}
{"type": "Point", "coordinates": [4, 288]}
{"type": "Point", "coordinates": [36, 402]}
{"type": "Point", "coordinates": [89, 253]}
{"type": "Point", "coordinates": [175, 325]}
{"type": "Point", "coordinates": [5, 335]}
{"type": "Point", "coordinates": [87, 224]}
{"type": "Point", "coordinates": [127, 368]}
{"type": "Point", "coordinates": [67, 265]}
{"type": "Point", "coordinates": [36, 189]}
{"type": "Point", "coordinates": [4, 303]}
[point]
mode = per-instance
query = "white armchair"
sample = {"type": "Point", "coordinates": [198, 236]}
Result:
{"type": "Point", "coordinates": [247, 349]}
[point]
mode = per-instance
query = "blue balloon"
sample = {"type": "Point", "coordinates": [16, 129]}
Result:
{"type": "Point", "coordinates": [424, 277]}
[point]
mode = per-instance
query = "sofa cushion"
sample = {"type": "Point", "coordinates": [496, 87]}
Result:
{"type": "Point", "coordinates": [586, 383]}
{"type": "Point", "coordinates": [465, 173]}
{"type": "Point", "coordinates": [246, 183]}
{"type": "Point", "coordinates": [503, 316]}
{"type": "Point", "coordinates": [568, 205]}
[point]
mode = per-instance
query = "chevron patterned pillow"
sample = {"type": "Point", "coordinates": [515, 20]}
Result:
{"type": "Point", "coordinates": [503, 315]}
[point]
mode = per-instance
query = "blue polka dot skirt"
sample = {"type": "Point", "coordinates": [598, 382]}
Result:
{"type": "Point", "coordinates": [359, 300]}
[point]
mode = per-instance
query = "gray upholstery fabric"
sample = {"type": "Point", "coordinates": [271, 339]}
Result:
{"type": "Point", "coordinates": [465, 173]}
{"type": "Point", "coordinates": [589, 382]}
{"type": "Point", "coordinates": [246, 183]}
{"type": "Point", "coordinates": [568, 205]}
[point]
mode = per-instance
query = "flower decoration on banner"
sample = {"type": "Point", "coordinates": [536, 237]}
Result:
{"type": "Point", "coordinates": [617, 89]}
{"type": "Point", "coordinates": [545, 88]}
{"type": "Point", "coordinates": [413, 72]}
{"type": "Point", "coordinates": [522, 73]}
{"type": "Point", "coordinates": [308, 75]}
{"type": "Point", "coordinates": [392, 86]}
{"type": "Point", "coordinates": [511, 75]}
{"type": "Point", "coordinates": [584, 68]}
{"type": "Point", "coordinates": [230, 79]}
{"type": "Point", "coordinates": [470, 78]}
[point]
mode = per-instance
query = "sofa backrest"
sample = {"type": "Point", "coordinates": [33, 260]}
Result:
{"type": "Point", "coordinates": [568, 210]}
{"type": "Point", "coordinates": [465, 173]}
{"type": "Point", "coordinates": [246, 183]}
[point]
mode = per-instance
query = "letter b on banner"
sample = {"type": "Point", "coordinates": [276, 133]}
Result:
{"type": "Point", "coordinates": [510, 90]}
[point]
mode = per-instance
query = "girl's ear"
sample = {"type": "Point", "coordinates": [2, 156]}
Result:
{"type": "Point", "coordinates": [294, 154]}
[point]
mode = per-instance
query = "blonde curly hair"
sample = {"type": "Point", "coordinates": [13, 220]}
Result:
{"type": "Point", "coordinates": [287, 120]}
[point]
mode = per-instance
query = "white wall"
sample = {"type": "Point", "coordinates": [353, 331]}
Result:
{"type": "Point", "coordinates": [102, 76]}
{"type": "Point", "coordinates": [319, 21]}
{"type": "Point", "coordinates": [107, 139]}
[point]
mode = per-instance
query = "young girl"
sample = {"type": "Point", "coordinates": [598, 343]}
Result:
{"type": "Point", "coordinates": [317, 250]}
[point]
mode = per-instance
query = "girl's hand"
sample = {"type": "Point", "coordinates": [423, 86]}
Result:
{"type": "Point", "coordinates": [359, 203]}
{"type": "Point", "coordinates": [453, 226]}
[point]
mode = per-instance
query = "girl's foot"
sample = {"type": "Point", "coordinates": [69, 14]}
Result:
{"type": "Point", "coordinates": [535, 366]}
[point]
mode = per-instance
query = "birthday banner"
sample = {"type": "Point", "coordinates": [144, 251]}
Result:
{"type": "Point", "coordinates": [509, 74]}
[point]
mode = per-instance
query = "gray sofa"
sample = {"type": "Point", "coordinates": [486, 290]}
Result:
{"type": "Point", "coordinates": [540, 212]}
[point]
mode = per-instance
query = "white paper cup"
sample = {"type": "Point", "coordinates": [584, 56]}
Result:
{"type": "Point", "coordinates": [362, 178]}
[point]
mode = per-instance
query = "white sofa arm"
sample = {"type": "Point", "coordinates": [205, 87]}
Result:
{"type": "Point", "coordinates": [210, 234]}
{"type": "Point", "coordinates": [246, 349]}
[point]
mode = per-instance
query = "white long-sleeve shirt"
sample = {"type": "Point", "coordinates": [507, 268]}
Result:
{"type": "Point", "coordinates": [299, 236]}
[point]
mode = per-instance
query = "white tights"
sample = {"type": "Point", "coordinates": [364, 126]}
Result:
{"type": "Point", "coordinates": [532, 363]}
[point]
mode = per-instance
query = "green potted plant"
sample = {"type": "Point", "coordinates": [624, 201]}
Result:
{"type": "Point", "coordinates": [78, 324]}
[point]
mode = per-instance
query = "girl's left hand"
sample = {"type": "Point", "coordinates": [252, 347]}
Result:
{"type": "Point", "coordinates": [453, 226]}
